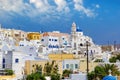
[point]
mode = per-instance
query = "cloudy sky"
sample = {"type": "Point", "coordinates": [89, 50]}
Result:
{"type": "Point", "coordinates": [99, 19]}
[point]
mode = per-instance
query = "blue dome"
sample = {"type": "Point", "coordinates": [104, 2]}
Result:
{"type": "Point", "coordinates": [78, 29]}
{"type": "Point", "coordinates": [109, 78]}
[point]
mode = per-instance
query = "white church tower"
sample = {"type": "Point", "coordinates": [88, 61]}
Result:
{"type": "Point", "coordinates": [73, 33]}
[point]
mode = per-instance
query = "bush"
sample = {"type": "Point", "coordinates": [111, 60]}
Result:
{"type": "Point", "coordinates": [35, 76]}
{"type": "Point", "coordinates": [113, 59]}
{"type": "Point", "coordinates": [9, 72]}
{"type": "Point", "coordinates": [55, 77]}
{"type": "Point", "coordinates": [98, 60]}
{"type": "Point", "coordinates": [66, 73]}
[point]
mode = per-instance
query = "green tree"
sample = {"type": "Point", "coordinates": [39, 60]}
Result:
{"type": "Point", "coordinates": [91, 75]}
{"type": "Point", "coordinates": [37, 74]}
{"type": "Point", "coordinates": [38, 68]}
{"type": "Point", "coordinates": [66, 73]}
{"type": "Point", "coordinates": [115, 58]}
{"type": "Point", "coordinates": [50, 68]}
{"type": "Point", "coordinates": [55, 76]}
{"type": "Point", "coordinates": [55, 69]}
{"type": "Point", "coordinates": [30, 77]}
{"type": "Point", "coordinates": [103, 70]}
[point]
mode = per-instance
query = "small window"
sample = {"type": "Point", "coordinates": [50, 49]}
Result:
{"type": "Point", "coordinates": [30, 54]}
{"type": "Point", "coordinates": [17, 60]}
{"type": "Point", "coordinates": [49, 39]}
{"type": "Point", "coordinates": [76, 66]}
{"type": "Point", "coordinates": [42, 40]}
{"type": "Point", "coordinates": [81, 44]}
{"type": "Point", "coordinates": [3, 66]}
{"type": "Point", "coordinates": [67, 66]}
{"type": "Point", "coordinates": [37, 37]}
{"type": "Point", "coordinates": [3, 60]}
{"type": "Point", "coordinates": [38, 42]}
{"type": "Point", "coordinates": [71, 66]}
{"type": "Point", "coordinates": [55, 39]}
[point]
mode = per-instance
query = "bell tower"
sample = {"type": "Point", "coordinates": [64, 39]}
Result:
{"type": "Point", "coordinates": [73, 28]}
{"type": "Point", "coordinates": [73, 35]}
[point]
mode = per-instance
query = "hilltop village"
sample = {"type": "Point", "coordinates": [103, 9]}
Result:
{"type": "Point", "coordinates": [24, 53]}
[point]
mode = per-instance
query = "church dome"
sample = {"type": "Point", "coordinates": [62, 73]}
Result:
{"type": "Point", "coordinates": [109, 77]}
{"type": "Point", "coordinates": [78, 29]}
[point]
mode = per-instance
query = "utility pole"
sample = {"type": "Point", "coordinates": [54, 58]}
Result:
{"type": "Point", "coordinates": [114, 45]}
{"type": "Point", "coordinates": [87, 44]}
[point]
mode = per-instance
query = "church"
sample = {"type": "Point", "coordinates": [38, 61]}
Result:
{"type": "Point", "coordinates": [79, 42]}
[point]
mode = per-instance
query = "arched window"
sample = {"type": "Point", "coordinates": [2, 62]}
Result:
{"type": "Point", "coordinates": [81, 44]}
{"type": "Point", "coordinates": [16, 60]}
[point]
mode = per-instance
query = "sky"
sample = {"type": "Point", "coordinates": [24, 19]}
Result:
{"type": "Point", "coordinates": [99, 19]}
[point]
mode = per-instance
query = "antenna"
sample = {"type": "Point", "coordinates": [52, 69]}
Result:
{"type": "Point", "coordinates": [114, 45]}
{"type": "Point", "coordinates": [0, 26]}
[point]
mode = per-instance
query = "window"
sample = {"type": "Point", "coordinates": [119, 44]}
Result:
{"type": "Point", "coordinates": [81, 44]}
{"type": "Point", "coordinates": [30, 54]}
{"type": "Point", "coordinates": [55, 39]}
{"type": "Point", "coordinates": [80, 34]}
{"type": "Point", "coordinates": [38, 42]}
{"type": "Point", "coordinates": [67, 66]}
{"type": "Point", "coordinates": [71, 66]}
{"type": "Point", "coordinates": [91, 51]}
{"type": "Point", "coordinates": [74, 45]}
{"type": "Point", "coordinates": [34, 37]}
{"type": "Point", "coordinates": [16, 60]}
{"type": "Point", "coordinates": [3, 66]}
{"type": "Point", "coordinates": [30, 37]}
{"type": "Point", "coordinates": [3, 60]}
{"type": "Point", "coordinates": [76, 66]}
{"type": "Point", "coordinates": [21, 45]}
{"type": "Point", "coordinates": [37, 37]}
{"type": "Point", "coordinates": [49, 39]}
{"type": "Point", "coordinates": [42, 39]}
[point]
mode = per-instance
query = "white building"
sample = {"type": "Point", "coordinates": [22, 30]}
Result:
{"type": "Point", "coordinates": [14, 58]}
{"type": "Point", "coordinates": [79, 42]}
{"type": "Point", "coordinates": [71, 64]}
{"type": "Point", "coordinates": [55, 40]}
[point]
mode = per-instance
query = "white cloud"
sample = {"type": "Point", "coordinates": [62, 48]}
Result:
{"type": "Point", "coordinates": [62, 5]}
{"type": "Point", "coordinates": [97, 6]}
{"type": "Point", "coordinates": [14, 6]}
{"type": "Point", "coordinates": [78, 5]}
{"type": "Point", "coordinates": [79, 1]}
{"type": "Point", "coordinates": [32, 1]}
{"type": "Point", "coordinates": [38, 8]}
{"type": "Point", "coordinates": [42, 5]}
{"type": "Point", "coordinates": [67, 9]}
{"type": "Point", "coordinates": [24, 9]}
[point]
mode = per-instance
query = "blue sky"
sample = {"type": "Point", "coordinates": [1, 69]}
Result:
{"type": "Point", "coordinates": [99, 19]}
